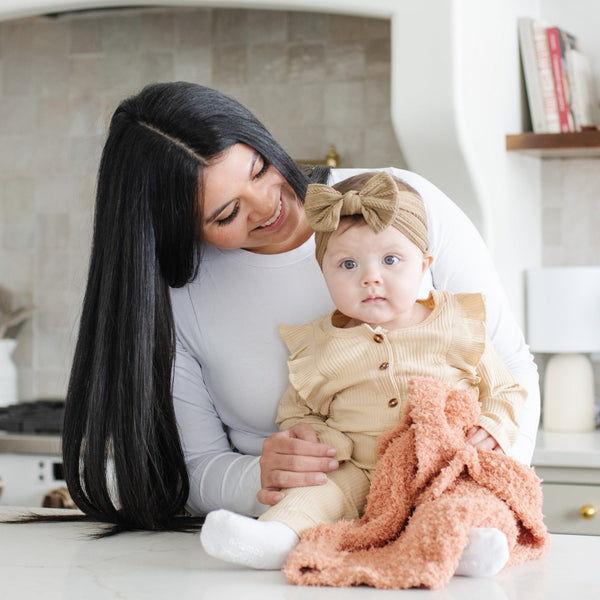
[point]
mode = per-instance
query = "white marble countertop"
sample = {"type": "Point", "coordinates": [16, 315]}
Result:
{"type": "Point", "coordinates": [577, 450]}
{"type": "Point", "coordinates": [61, 562]}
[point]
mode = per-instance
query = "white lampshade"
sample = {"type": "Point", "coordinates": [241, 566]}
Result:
{"type": "Point", "coordinates": [563, 314]}
{"type": "Point", "coordinates": [563, 309]}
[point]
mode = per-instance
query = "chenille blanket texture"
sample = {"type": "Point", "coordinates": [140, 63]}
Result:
{"type": "Point", "coordinates": [429, 488]}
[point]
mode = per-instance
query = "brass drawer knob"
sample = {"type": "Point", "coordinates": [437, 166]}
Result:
{"type": "Point", "coordinates": [588, 511]}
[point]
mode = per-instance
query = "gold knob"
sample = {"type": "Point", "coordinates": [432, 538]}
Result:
{"type": "Point", "coordinates": [1, 486]}
{"type": "Point", "coordinates": [588, 511]}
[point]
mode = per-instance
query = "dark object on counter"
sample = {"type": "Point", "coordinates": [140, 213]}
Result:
{"type": "Point", "coordinates": [40, 416]}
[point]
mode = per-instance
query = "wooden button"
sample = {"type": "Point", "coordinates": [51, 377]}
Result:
{"type": "Point", "coordinates": [393, 402]}
{"type": "Point", "coordinates": [383, 366]}
{"type": "Point", "coordinates": [378, 338]}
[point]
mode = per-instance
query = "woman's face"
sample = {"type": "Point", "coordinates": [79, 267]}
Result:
{"type": "Point", "coordinates": [248, 204]}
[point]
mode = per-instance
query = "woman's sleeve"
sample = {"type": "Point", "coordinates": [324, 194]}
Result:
{"type": "Point", "coordinates": [219, 477]}
{"type": "Point", "coordinates": [462, 263]}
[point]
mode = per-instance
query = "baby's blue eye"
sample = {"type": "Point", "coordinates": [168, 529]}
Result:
{"type": "Point", "coordinates": [390, 260]}
{"type": "Point", "coordinates": [348, 264]}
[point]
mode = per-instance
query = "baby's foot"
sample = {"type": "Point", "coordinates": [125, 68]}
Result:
{"type": "Point", "coordinates": [246, 541]}
{"type": "Point", "coordinates": [485, 555]}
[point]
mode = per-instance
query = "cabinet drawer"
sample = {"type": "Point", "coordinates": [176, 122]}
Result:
{"type": "Point", "coordinates": [563, 504]}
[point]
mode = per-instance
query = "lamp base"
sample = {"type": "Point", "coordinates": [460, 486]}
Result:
{"type": "Point", "coordinates": [569, 394]}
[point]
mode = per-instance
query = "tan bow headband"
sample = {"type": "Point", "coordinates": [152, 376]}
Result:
{"type": "Point", "coordinates": [380, 203]}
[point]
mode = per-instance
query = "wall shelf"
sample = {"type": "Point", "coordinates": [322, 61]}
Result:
{"type": "Point", "coordinates": [581, 144]}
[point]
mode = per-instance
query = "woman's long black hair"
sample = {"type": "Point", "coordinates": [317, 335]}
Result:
{"type": "Point", "coordinates": [122, 455]}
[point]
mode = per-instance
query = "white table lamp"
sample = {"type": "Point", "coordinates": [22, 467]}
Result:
{"type": "Point", "coordinates": [563, 318]}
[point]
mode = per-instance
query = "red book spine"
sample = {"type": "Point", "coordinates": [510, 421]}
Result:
{"type": "Point", "coordinates": [559, 77]}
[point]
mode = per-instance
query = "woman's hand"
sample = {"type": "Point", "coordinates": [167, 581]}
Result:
{"type": "Point", "coordinates": [482, 440]}
{"type": "Point", "coordinates": [293, 458]}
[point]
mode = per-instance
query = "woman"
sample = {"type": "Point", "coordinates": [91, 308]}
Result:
{"type": "Point", "coordinates": [200, 249]}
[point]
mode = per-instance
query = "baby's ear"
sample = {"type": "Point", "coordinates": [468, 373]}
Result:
{"type": "Point", "coordinates": [427, 260]}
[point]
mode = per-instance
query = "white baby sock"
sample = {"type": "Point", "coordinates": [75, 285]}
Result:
{"type": "Point", "coordinates": [246, 541]}
{"type": "Point", "coordinates": [485, 555]}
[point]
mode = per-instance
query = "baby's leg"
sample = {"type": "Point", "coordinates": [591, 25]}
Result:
{"type": "Point", "coordinates": [265, 543]}
{"type": "Point", "coordinates": [246, 541]}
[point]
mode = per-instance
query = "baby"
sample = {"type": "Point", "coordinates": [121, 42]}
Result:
{"type": "Point", "coordinates": [349, 371]}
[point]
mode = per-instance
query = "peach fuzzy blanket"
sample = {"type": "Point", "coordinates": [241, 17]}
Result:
{"type": "Point", "coordinates": [429, 488]}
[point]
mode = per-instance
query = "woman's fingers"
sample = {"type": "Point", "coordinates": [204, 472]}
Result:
{"type": "Point", "coordinates": [293, 458]}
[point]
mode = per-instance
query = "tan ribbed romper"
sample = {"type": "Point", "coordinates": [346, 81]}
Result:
{"type": "Point", "coordinates": [351, 386]}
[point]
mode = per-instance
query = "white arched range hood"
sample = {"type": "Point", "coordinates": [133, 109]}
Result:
{"type": "Point", "coordinates": [456, 92]}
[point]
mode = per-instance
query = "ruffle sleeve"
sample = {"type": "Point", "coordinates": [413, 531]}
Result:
{"type": "Point", "coordinates": [304, 373]}
{"type": "Point", "coordinates": [469, 333]}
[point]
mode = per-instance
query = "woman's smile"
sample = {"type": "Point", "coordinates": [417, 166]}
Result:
{"type": "Point", "coordinates": [248, 204]}
{"type": "Point", "coordinates": [277, 218]}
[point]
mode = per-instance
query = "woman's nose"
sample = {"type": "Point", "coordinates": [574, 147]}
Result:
{"type": "Point", "coordinates": [260, 208]}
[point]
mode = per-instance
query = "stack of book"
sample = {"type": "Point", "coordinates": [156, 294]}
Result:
{"type": "Point", "coordinates": [558, 79]}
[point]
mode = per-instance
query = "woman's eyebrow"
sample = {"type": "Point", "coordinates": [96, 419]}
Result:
{"type": "Point", "coordinates": [212, 217]}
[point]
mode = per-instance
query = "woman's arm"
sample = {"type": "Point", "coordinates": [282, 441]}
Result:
{"type": "Point", "coordinates": [462, 263]}
{"type": "Point", "coordinates": [219, 477]}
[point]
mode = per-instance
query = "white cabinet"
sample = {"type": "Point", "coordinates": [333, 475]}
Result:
{"type": "Point", "coordinates": [569, 466]}
{"type": "Point", "coordinates": [30, 468]}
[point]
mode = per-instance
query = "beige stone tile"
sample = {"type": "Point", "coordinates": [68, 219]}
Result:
{"type": "Point", "coordinates": [378, 58]}
{"type": "Point", "coordinates": [51, 314]}
{"type": "Point", "coordinates": [308, 27]}
{"type": "Point", "coordinates": [230, 27]}
{"type": "Point", "coordinates": [157, 31]}
{"type": "Point", "coordinates": [268, 63]}
{"type": "Point", "coordinates": [194, 65]}
{"type": "Point", "coordinates": [52, 115]}
{"type": "Point", "coordinates": [345, 104]}
{"type": "Point", "coordinates": [381, 147]}
{"type": "Point", "coordinates": [345, 61]}
{"type": "Point", "coordinates": [51, 383]}
{"type": "Point", "coordinates": [377, 28]}
{"type": "Point", "coordinates": [86, 36]}
{"type": "Point", "coordinates": [230, 64]}
{"type": "Point", "coordinates": [157, 67]}
{"type": "Point", "coordinates": [19, 232]}
{"type": "Point", "coordinates": [18, 75]}
{"type": "Point", "coordinates": [307, 62]}
{"type": "Point", "coordinates": [267, 26]}
{"type": "Point", "coordinates": [53, 231]}
{"type": "Point", "coordinates": [86, 73]}
{"type": "Point", "coordinates": [18, 195]}
{"type": "Point", "coordinates": [193, 28]}
{"type": "Point", "coordinates": [345, 28]}
{"type": "Point", "coordinates": [50, 37]}
{"type": "Point", "coordinates": [17, 115]}
{"type": "Point", "coordinates": [52, 269]}
{"type": "Point", "coordinates": [122, 34]}
{"type": "Point", "coordinates": [17, 268]}
{"type": "Point", "coordinates": [377, 101]}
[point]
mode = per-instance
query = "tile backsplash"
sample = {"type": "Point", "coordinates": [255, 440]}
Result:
{"type": "Point", "coordinates": [314, 79]}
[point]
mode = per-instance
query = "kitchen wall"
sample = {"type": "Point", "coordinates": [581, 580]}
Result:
{"type": "Point", "coordinates": [314, 79]}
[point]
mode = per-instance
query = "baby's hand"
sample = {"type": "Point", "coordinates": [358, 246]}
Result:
{"type": "Point", "coordinates": [482, 440]}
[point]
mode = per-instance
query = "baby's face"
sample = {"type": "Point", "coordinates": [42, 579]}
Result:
{"type": "Point", "coordinates": [374, 277]}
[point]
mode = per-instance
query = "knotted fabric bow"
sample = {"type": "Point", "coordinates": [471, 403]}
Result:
{"type": "Point", "coordinates": [379, 202]}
